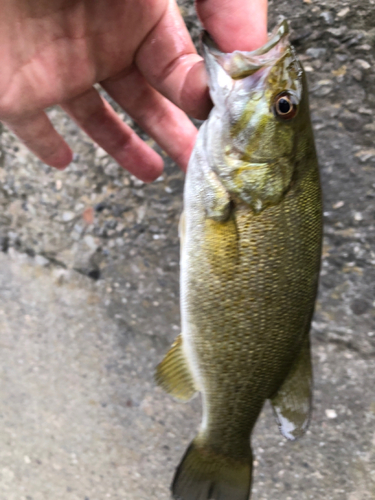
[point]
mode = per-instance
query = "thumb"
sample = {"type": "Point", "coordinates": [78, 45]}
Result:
{"type": "Point", "coordinates": [235, 24]}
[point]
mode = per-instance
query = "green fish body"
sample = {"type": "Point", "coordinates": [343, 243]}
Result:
{"type": "Point", "coordinates": [250, 256]}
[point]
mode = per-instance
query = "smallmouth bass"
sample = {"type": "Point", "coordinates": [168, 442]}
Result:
{"type": "Point", "coordinates": [250, 258]}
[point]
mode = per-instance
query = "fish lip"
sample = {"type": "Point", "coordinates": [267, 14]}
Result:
{"type": "Point", "coordinates": [281, 31]}
{"type": "Point", "coordinates": [239, 64]}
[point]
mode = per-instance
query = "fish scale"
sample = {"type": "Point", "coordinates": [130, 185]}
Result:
{"type": "Point", "coordinates": [250, 258]}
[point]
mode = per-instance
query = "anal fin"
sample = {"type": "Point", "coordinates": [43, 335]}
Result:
{"type": "Point", "coordinates": [292, 402]}
{"type": "Point", "coordinates": [173, 374]}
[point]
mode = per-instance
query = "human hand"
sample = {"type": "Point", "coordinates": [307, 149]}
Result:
{"type": "Point", "coordinates": [54, 51]}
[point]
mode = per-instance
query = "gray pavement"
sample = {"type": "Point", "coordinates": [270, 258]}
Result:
{"type": "Point", "coordinates": [81, 419]}
{"type": "Point", "coordinates": [89, 303]}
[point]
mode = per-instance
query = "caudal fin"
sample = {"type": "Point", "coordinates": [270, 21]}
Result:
{"type": "Point", "coordinates": [206, 475]}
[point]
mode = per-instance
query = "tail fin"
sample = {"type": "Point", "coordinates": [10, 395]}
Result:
{"type": "Point", "coordinates": [206, 475]}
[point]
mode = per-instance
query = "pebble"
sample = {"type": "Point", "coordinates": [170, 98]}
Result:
{"type": "Point", "coordinates": [362, 64]}
{"type": "Point", "coordinates": [359, 306]}
{"type": "Point", "coordinates": [357, 74]}
{"type": "Point", "coordinates": [316, 52]}
{"type": "Point", "coordinates": [100, 153]}
{"type": "Point", "coordinates": [341, 57]}
{"type": "Point", "coordinates": [60, 275]}
{"type": "Point", "coordinates": [365, 154]}
{"type": "Point", "coordinates": [365, 111]}
{"type": "Point", "coordinates": [322, 88]}
{"type": "Point", "coordinates": [41, 261]}
{"type": "Point", "coordinates": [340, 71]}
{"type": "Point", "coordinates": [327, 16]}
{"type": "Point", "coordinates": [136, 182]}
{"type": "Point", "coordinates": [343, 12]}
{"type": "Point", "coordinates": [351, 121]}
{"type": "Point", "coordinates": [365, 47]}
{"type": "Point", "coordinates": [369, 127]}
{"type": "Point", "coordinates": [90, 242]}
{"type": "Point", "coordinates": [68, 216]}
{"type": "Point", "coordinates": [337, 31]}
{"type": "Point", "coordinates": [339, 204]}
{"type": "Point", "coordinates": [331, 414]}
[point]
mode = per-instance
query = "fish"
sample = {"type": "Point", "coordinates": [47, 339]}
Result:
{"type": "Point", "coordinates": [251, 234]}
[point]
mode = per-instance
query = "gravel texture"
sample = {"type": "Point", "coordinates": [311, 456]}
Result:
{"type": "Point", "coordinates": [89, 302]}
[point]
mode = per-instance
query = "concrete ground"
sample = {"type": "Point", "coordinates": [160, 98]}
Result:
{"type": "Point", "coordinates": [89, 303]}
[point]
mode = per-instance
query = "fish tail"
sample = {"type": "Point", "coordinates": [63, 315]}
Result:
{"type": "Point", "coordinates": [204, 474]}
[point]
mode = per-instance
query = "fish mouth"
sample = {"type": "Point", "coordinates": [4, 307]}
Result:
{"type": "Point", "coordinates": [240, 64]}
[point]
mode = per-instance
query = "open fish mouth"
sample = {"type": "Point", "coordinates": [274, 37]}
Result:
{"type": "Point", "coordinates": [240, 64]}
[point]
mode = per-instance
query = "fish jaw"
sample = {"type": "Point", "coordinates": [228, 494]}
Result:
{"type": "Point", "coordinates": [240, 64]}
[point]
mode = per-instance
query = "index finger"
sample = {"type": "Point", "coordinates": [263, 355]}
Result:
{"type": "Point", "coordinates": [168, 60]}
{"type": "Point", "coordinates": [235, 24]}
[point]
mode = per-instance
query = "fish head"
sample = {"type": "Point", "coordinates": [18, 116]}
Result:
{"type": "Point", "coordinates": [261, 109]}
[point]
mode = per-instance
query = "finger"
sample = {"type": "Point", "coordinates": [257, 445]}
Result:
{"type": "Point", "coordinates": [38, 134]}
{"type": "Point", "coordinates": [162, 120]}
{"type": "Point", "coordinates": [235, 24]}
{"type": "Point", "coordinates": [98, 119]}
{"type": "Point", "coordinates": [169, 61]}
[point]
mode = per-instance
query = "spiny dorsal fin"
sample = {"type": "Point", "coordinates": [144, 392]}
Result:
{"type": "Point", "coordinates": [173, 373]}
{"type": "Point", "coordinates": [292, 402]}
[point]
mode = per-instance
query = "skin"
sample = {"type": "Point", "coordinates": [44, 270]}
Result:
{"type": "Point", "coordinates": [139, 51]}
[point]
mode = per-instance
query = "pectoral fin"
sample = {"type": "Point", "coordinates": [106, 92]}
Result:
{"type": "Point", "coordinates": [217, 200]}
{"type": "Point", "coordinates": [292, 402]}
{"type": "Point", "coordinates": [173, 373]}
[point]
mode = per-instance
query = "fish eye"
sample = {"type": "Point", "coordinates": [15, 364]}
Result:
{"type": "Point", "coordinates": [284, 106]}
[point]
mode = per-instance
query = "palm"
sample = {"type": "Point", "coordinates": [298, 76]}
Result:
{"type": "Point", "coordinates": [72, 45]}
{"type": "Point", "coordinates": [71, 49]}
{"type": "Point", "coordinates": [53, 51]}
